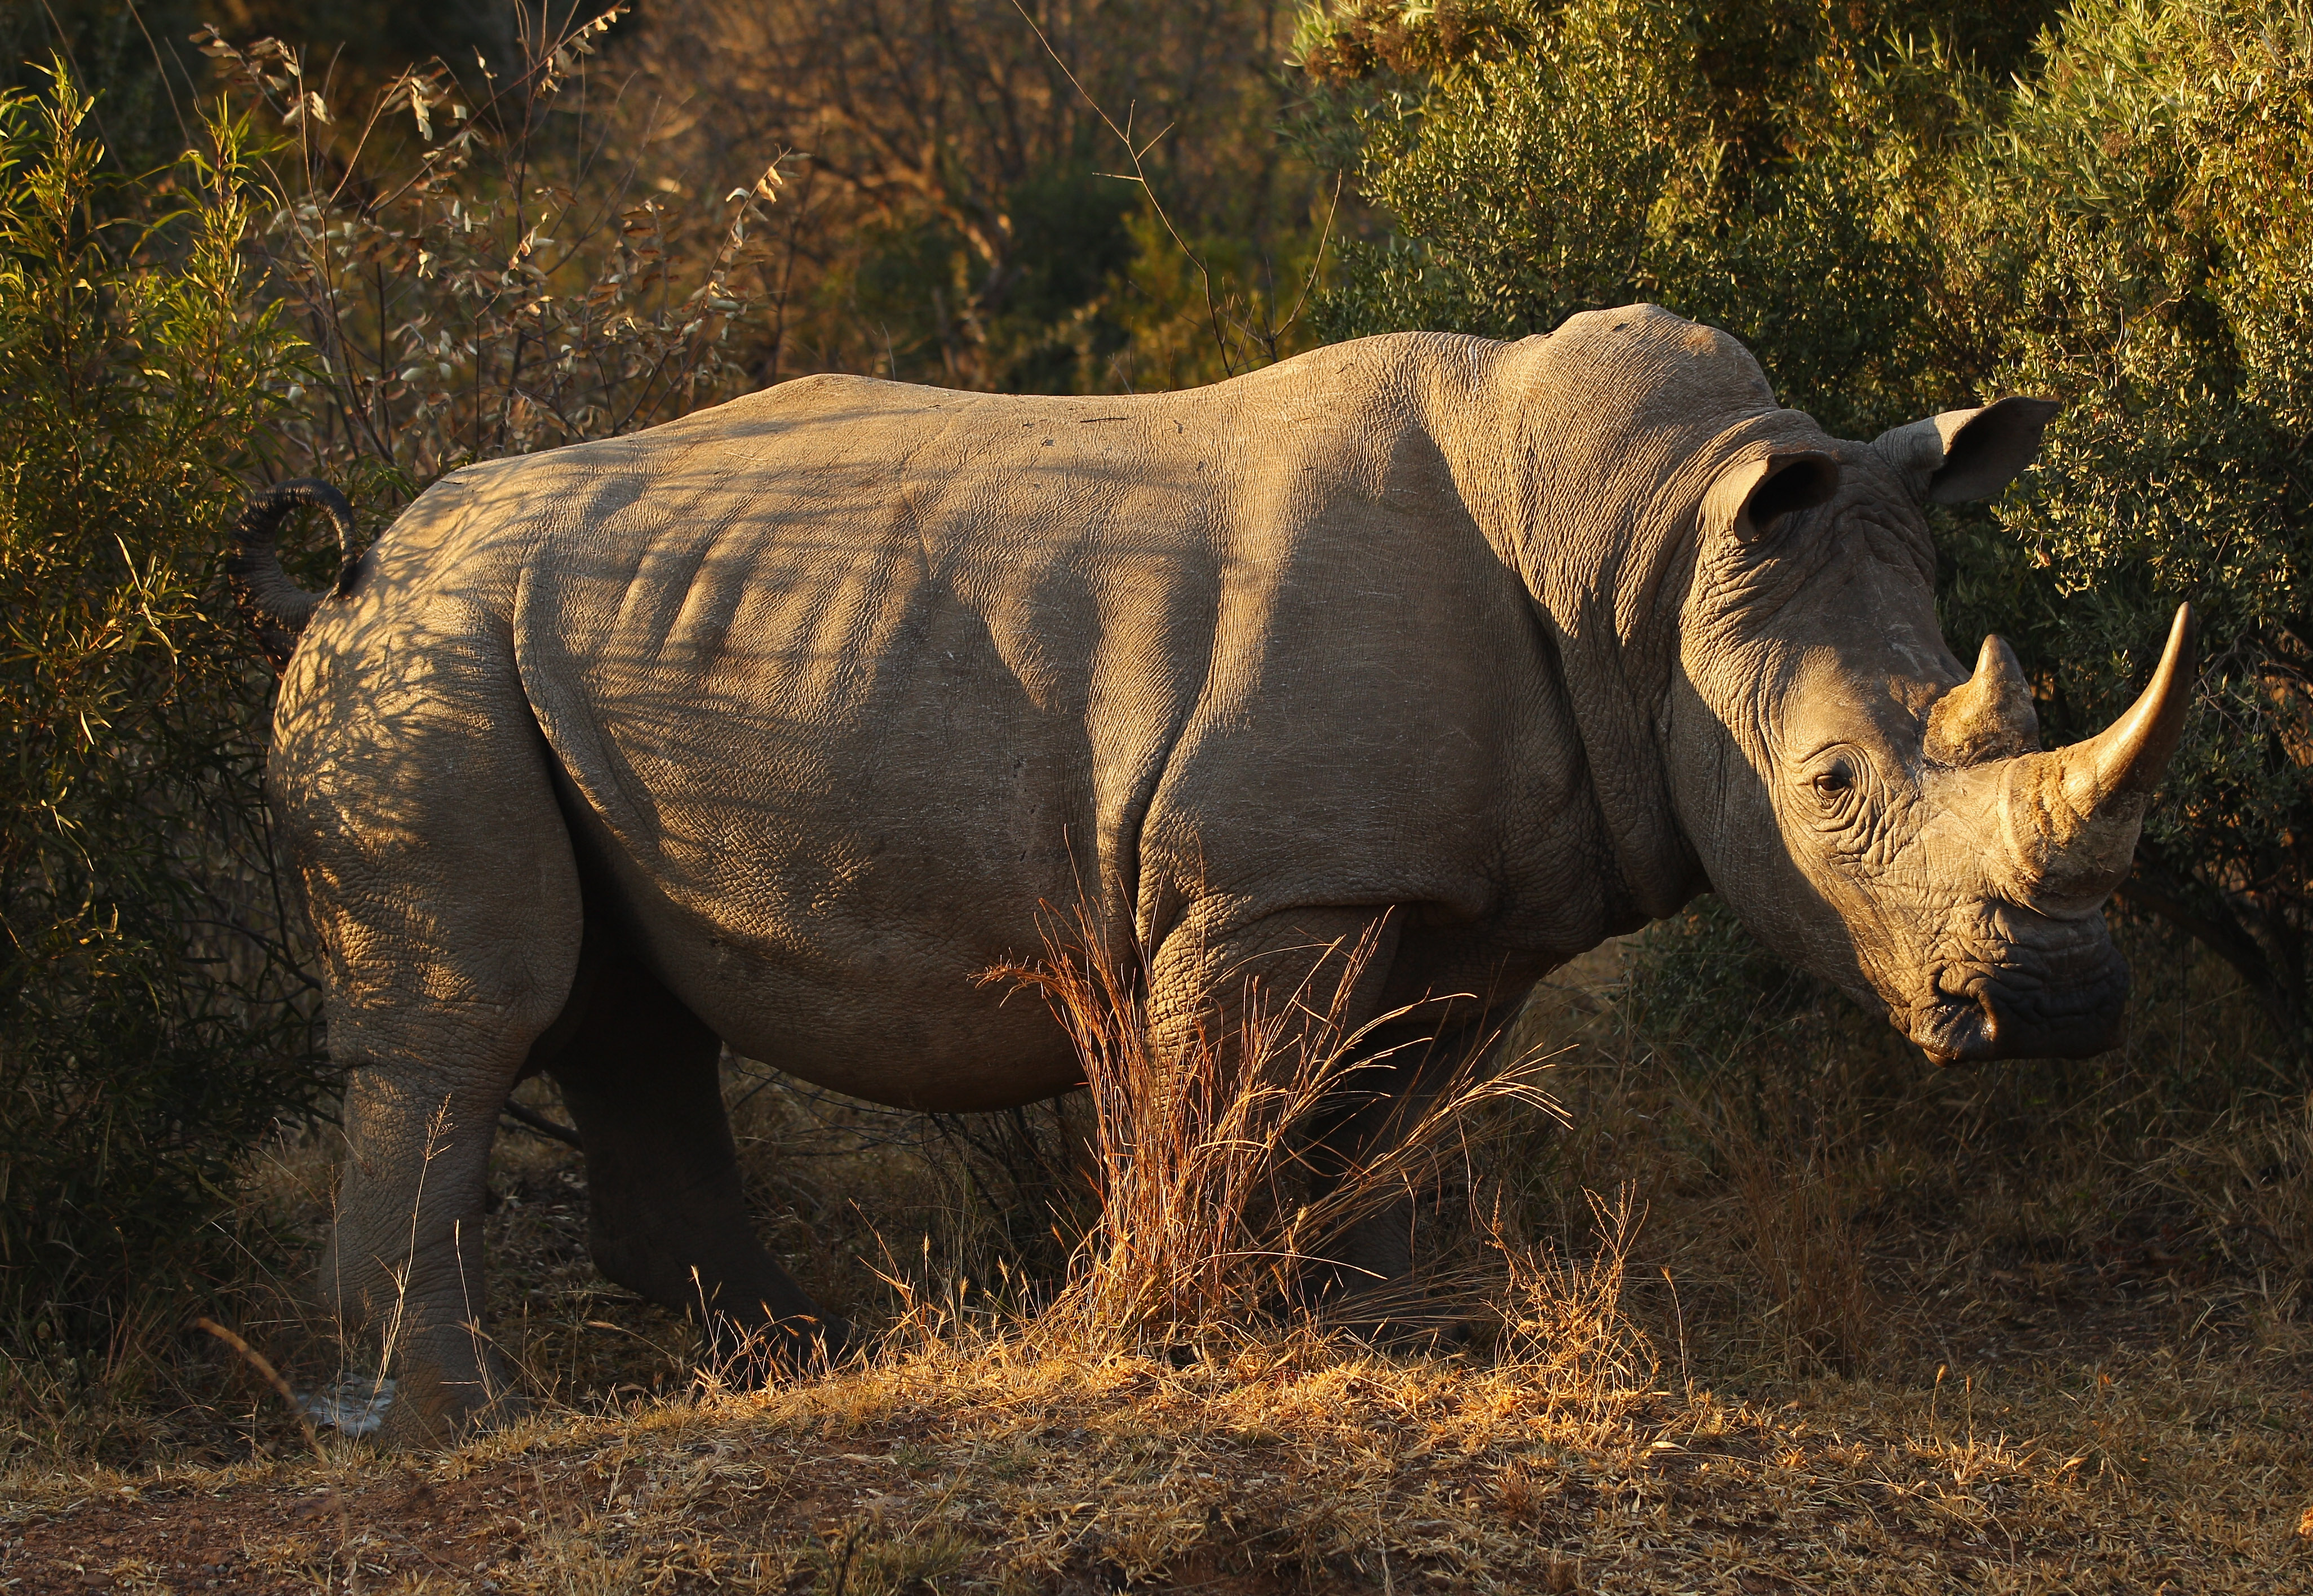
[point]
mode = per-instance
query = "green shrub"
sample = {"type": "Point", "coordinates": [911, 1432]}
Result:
{"type": "Point", "coordinates": [1781, 182]}
{"type": "Point", "coordinates": [2124, 228]}
{"type": "Point", "coordinates": [152, 1020]}
{"type": "Point", "coordinates": [2155, 171]}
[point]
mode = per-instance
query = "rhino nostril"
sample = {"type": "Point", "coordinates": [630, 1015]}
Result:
{"type": "Point", "coordinates": [1994, 1031]}
{"type": "Point", "coordinates": [1961, 983]}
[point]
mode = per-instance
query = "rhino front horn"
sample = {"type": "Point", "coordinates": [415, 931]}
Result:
{"type": "Point", "coordinates": [2072, 815]}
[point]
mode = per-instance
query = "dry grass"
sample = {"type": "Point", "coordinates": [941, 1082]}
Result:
{"type": "Point", "coordinates": [1287, 1463]}
{"type": "Point", "coordinates": [1212, 1210]}
{"type": "Point", "coordinates": [1826, 1203]}
{"type": "Point", "coordinates": [1846, 1324]}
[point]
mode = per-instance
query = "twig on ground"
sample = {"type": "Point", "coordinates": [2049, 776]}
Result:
{"type": "Point", "coordinates": [538, 1124]}
{"type": "Point", "coordinates": [271, 1376]}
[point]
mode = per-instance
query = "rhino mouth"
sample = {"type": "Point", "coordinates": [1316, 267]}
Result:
{"type": "Point", "coordinates": [2028, 1006]}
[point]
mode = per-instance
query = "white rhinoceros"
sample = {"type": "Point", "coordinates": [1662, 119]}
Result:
{"type": "Point", "coordinates": [779, 723]}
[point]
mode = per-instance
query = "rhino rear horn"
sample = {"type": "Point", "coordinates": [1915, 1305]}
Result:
{"type": "Point", "coordinates": [1988, 717]}
{"type": "Point", "coordinates": [2072, 815]}
{"type": "Point", "coordinates": [1964, 455]}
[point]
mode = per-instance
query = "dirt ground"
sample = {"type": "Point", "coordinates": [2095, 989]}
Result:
{"type": "Point", "coordinates": [2142, 1463]}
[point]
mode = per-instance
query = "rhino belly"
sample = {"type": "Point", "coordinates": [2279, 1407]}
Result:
{"type": "Point", "coordinates": [856, 960]}
{"type": "Point", "coordinates": [823, 856]}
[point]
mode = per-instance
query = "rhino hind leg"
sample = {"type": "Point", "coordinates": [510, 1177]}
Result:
{"type": "Point", "coordinates": [416, 801]}
{"type": "Point", "coordinates": [667, 1214]}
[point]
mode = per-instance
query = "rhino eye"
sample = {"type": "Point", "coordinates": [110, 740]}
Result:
{"type": "Point", "coordinates": [1833, 786]}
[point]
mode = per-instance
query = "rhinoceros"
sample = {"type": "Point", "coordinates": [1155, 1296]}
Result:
{"type": "Point", "coordinates": [778, 725]}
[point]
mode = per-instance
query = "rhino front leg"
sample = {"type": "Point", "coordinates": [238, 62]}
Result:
{"type": "Point", "coordinates": [667, 1214]}
{"type": "Point", "coordinates": [1324, 971]}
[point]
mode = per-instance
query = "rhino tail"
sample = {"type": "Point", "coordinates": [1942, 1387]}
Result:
{"type": "Point", "coordinates": [276, 608]}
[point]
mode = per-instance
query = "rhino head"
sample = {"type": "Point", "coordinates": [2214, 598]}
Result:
{"type": "Point", "coordinates": [1870, 808]}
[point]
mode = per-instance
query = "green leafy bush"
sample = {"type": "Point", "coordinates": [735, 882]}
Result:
{"type": "Point", "coordinates": [2125, 227]}
{"type": "Point", "coordinates": [2152, 182]}
{"type": "Point", "coordinates": [1783, 182]}
{"type": "Point", "coordinates": [152, 1020]}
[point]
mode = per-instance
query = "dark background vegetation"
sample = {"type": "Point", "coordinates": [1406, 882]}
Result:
{"type": "Point", "coordinates": [410, 235]}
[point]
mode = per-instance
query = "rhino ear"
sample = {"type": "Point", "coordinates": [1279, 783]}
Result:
{"type": "Point", "coordinates": [1963, 455]}
{"type": "Point", "coordinates": [1755, 497]}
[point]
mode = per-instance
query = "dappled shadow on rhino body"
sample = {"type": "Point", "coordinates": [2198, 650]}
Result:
{"type": "Point", "coordinates": [835, 742]}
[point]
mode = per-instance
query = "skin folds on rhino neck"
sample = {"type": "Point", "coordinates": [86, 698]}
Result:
{"type": "Point", "coordinates": [1600, 482]}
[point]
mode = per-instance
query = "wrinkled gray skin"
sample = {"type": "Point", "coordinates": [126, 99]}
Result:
{"type": "Point", "coordinates": [776, 725]}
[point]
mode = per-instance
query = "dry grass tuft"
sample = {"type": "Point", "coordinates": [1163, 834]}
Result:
{"type": "Point", "coordinates": [1214, 1210]}
{"type": "Point", "coordinates": [1563, 1325]}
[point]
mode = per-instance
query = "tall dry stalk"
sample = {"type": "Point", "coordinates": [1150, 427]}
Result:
{"type": "Point", "coordinates": [1213, 1205]}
